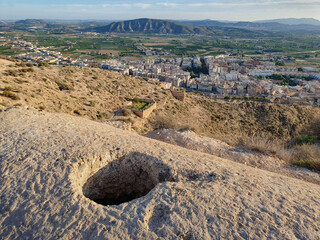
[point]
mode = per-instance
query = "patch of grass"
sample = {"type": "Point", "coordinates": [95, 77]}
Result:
{"type": "Point", "coordinates": [140, 105]}
{"type": "Point", "coordinates": [262, 143]}
{"type": "Point", "coordinates": [307, 156]}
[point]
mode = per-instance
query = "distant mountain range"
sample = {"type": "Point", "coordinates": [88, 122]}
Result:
{"type": "Point", "coordinates": [145, 25]}
{"type": "Point", "coordinates": [155, 26]}
{"type": "Point", "coordinates": [293, 21]}
{"type": "Point", "coordinates": [280, 25]}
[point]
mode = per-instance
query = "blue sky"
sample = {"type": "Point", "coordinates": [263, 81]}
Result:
{"type": "Point", "coordinates": [173, 9]}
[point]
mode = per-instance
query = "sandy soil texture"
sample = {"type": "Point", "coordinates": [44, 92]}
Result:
{"type": "Point", "coordinates": [51, 164]}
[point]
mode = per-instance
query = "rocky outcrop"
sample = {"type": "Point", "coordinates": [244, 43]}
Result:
{"type": "Point", "coordinates": [70, 178]}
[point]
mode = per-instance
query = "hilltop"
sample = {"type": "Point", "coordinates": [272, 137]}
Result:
{"type": "Point", "coordinates": [69, 177]}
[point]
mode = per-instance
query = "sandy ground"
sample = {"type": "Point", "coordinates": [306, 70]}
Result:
{"type": "Point", "coordinates": [192, 141]}
{"type": "Point", "coordinates": [49, 162]}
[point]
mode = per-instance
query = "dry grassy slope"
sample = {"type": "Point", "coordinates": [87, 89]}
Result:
{"type": "Point", "coordinates": [91, 91]}
{"type": "Point", "coordinates": [96, 94]}
{"type": "Point", "coordinates": [214, 118]}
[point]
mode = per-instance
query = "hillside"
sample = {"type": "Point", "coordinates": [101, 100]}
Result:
{"type": "Point", "coordinates": [98, 94]}
{"type": "Point", "coordinates": [145, 25]}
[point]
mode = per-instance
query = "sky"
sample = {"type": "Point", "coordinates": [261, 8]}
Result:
{"type": "Point", "coordinates": [233, 10]}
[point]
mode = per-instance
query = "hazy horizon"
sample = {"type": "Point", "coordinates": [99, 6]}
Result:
{"type": "Point", "coordinates": [110, 20]}
{"type": "Point", "coordinates": [230, 10]}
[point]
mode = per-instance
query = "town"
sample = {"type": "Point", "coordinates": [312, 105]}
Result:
{"type": "Point", "coordinates": [225, 76]}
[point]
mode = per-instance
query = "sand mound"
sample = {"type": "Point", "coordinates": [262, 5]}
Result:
{"type": "Point", "coordinates": [55, 168]}
{"type": "Point", "coordinates": [192, 141]}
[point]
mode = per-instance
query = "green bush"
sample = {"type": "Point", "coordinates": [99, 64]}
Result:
{"type": "Point", "coordinates": [305, 139]}
{"type": "Point", "coordinates": [136, 100]}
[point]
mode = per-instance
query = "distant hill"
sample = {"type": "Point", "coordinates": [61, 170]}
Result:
{"type": "Point", "coordinates": [31, 22]}
{"type": "Point", "coordinates": [3, 23]}
{"type": "Point", "coordinates": [145, 25]}
{"type": "Point", "coordinates": [293, 21]}
{"type": "Point", "coordinates": [272, 25]}
{"type": "Point", "coordinates": [4, 26]}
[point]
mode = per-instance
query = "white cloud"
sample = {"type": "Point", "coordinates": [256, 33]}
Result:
{"type": "Point", "coordinates": [143, 5]}
{"type": "Point", "coordinates": [166, 4]}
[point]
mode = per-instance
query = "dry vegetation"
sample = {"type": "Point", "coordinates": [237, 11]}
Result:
{"type": "Point", "coordinates": [97, 94]}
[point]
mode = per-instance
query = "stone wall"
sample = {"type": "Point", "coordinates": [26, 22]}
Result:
{"type": "Point", "coordinates": [180, 95]}
{"type": "Point", "coordinates": [146, 112]}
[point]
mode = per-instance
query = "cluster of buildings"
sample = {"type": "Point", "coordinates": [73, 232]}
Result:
{"type": "Point", "coordinates": [34, 54]}
{"type": "Point", "coordinates": [227, 76]}
{"type": "Point", "coordinates": [224, 75]}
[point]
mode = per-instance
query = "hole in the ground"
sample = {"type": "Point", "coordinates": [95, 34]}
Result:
{"type": "Point", "coordinates": [125, 179]}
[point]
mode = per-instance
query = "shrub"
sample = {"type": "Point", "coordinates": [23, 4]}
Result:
{"type": "Point", "coordinates": [313, 128]}
{"type": "Point", "coordinates": [29, 65]}
{"type": "Point", "coordinates": [126, 112]}
{"type": "Point", "coordinates": [63, 86]}
{"type": "Point", "coordinates": [22, 64]}
{"type": "Point", "coordinates": [163, 122]}
{"type": "Point", "coordinates": [23, 70]}
{"type": "Point", "coordinates": [92, 103]}
{"type": "Point", "coordinates": [43, 64]}
{"type": "Point", "coordinates": [11, 72]}
{"type": "Point", "coordinates": [11, 95]}
{"type": "Point", "coordinates": [100, 115]}
{"type": "Point", "coordinates": [260, 143]}
{"type": "Point", "coordinates": [307, 156]}
{"type": "Point", "coordinates": [8, 89]}
{"type": "Point", "coordinates": [136, 100]}
{"type": "Point", "coordinates": [305, 139]}
{"type": "Point", "coordinates": [77, 112]}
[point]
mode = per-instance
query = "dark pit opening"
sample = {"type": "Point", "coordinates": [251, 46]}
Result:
{"type": "Point", "coordinates": [126, 179]}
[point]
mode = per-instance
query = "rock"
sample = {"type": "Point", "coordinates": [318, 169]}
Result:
{"type": "Point", "coordinates": [52, 164]}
